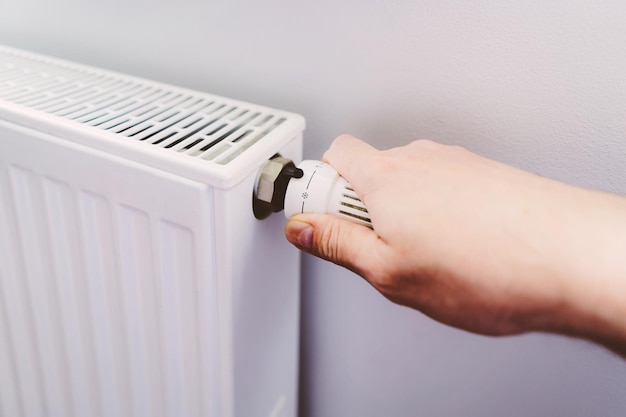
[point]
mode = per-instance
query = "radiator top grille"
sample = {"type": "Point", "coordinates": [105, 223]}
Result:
{"type": "Point", "coordinates": [208, 128]}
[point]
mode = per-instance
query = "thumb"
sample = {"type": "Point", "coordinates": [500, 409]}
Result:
{"type": "Point", "coordinates": [340, 241]}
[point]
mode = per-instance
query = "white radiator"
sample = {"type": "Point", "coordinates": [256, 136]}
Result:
{"type": "Point", "coordinates": [134, 278]}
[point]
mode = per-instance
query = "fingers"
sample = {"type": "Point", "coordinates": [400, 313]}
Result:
{"type": "Point", "coordinates": [351, 158]}
{"type": "Point", "coordinates": [345, 243]}
{"type": "Point", "coordinates": [342, 242]}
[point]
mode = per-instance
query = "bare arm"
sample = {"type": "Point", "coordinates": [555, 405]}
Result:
{"type": "Point", "coordinates": [477, 244]}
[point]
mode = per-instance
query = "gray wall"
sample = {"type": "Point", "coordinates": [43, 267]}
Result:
{"type": "Point", "coordinates": [537, 84]}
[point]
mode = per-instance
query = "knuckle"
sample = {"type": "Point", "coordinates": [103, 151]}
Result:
{"type": "Point", "coordinates": [425, 144]}
{"type": "Point", "coordinates": [457, 149]}
{"type": "Point", "coordinates": [344, 137]}
{"type": "Point", "coordinates": [337, 148]}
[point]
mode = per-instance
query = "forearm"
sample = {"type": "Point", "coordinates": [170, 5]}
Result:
{"type": "Point", "coordinates": [592, 264]}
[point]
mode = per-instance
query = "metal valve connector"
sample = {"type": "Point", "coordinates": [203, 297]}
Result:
{"type": "Point", "coordinates": [271, 186]}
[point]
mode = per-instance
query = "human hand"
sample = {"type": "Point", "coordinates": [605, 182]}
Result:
{"type": "Point", "coordinates": [472, 242]}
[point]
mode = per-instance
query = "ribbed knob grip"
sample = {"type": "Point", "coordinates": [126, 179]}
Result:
{"type": "Point", "coordinates": [322, 190]}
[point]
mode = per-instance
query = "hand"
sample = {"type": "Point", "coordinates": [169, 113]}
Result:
{"type": "Point", "coordinates": [477, 244]}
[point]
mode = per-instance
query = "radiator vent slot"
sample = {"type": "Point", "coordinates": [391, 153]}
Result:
{"type": "Point", "coordinates": [198, 125]}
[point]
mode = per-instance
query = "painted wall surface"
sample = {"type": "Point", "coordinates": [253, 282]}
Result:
{"type": "Point", "coordinates": [537, 84]}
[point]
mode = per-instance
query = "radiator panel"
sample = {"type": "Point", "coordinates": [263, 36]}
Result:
{"type": "Point", "coordinates": [101, 286]}
{"type": "Point", "coordinates": [134, 279]}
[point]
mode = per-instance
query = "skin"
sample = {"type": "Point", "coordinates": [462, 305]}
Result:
{"type": "Point", "coordinates": [477, 244]}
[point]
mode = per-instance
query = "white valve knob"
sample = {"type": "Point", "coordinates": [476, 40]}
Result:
{"type": "Point", "coordinates": [322, 190]}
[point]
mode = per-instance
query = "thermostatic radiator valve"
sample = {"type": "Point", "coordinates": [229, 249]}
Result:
{"type": "Point", "coordinates": [311, 187]}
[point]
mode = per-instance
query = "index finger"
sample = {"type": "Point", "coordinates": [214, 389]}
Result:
{"type": "Point", "coordinates": [351, 157]}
